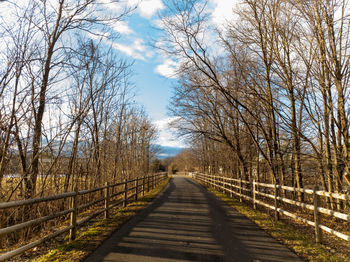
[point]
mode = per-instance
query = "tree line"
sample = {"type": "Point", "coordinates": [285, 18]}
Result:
{"type": "Point", "coordinates": [67, 115]}
{"type": "Point", "coordinates": [265, 97]}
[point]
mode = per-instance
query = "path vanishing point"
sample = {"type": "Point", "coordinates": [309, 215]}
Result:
{"type": "Point", "coordinates": [188, 223]}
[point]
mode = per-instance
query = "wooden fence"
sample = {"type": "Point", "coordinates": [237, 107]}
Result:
{"type": "Point", "coordinates": [252, 190]}
{"type": "Point", "coordinates": [111, 198]}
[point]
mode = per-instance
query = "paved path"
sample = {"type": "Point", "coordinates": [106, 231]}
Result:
{"type": "Point", "coordinates": [188, 223]}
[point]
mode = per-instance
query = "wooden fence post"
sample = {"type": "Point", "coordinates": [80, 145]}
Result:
{"type": "Point", "coordinates": [148, 184]}
{"type": "Point", "coordinates": [318, 232]}
{"type": "Point", "coordinates": [231, 187]}
{"type": "Point", "coordinates": [73, 215]}
{"type": "Point", "coordinates": [136, 187]}
{"type": "Point", "coordinates": [276, 202]}
{"type": "Point", "coordinates": [125, 193]}
{"type": "Point", "coordinates": [107, 200]}
{"type": "Point", "coordinates": [240, 189]}
{"type": "Point", "coordinates": [223, 186]}
{"type": "Point", "coordinates": [143, 185]}
{"type": "Point", "coordinates": [254, 194]}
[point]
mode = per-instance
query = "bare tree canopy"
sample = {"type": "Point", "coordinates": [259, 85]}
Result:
{"type": "Point", "coordinates": [271, 87]}
{"type": "Point", "coordinates": [66, 100]}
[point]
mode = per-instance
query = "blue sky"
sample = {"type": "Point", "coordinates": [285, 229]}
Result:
{"type": "Point", "coordinates": [153, 72]}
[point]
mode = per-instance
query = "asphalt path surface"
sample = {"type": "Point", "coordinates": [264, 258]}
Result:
{"type": "Point", "coordinates": [188, 223]}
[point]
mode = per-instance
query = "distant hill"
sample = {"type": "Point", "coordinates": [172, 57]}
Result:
{"type": "Point", "coordinates": [168, 151]}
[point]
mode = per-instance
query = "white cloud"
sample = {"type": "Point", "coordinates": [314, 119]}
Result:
{"type": "Point", "coordinates": [138, 45]}
{"type": "Point", "coordinates": [122, 27]}
{"type": "Point", "coordinates": [112, 6]}
{"type": "Point", "coordinates": [98, 35]}
{"type": "Point", "coordinates": [148, 8]}
{"type": "Point", "coordinates": [223, 11]}
{"type": "Point", "coordinates": [136, 50]}
{"type": "Point", "coordinates": [166, 134]}
{"type": "Point", "coordinates": [149, 53]}
{"type": "Point", "coordinates": [167, 69]}
{"type": "Point", "coordinates": [145, 8]}
{"type": "Point", "coordinates": [128, 50]}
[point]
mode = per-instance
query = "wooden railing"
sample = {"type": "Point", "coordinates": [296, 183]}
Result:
{"type": "Point", "coordinates": [111, 198]}
{"type": "Point", "coordinates": [252, 190]}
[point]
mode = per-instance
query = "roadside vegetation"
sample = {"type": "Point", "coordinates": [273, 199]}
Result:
{"type": "Point", "coordinates": [90, 237]}
{"type": "Point", "coordinates": [294, 235]}
{"type": "Point", "coordinates": [67, 116]}
{"type": "Point", "coordinates": [266, 96]}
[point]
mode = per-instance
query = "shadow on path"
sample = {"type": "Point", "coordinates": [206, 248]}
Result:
{"type": "Point", "coordinates": [187, 223]}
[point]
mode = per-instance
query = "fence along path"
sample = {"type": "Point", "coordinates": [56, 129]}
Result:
{"type": "Point", "coordinates": [236, 187]}
{"type": "Point", "coordinates": [131, 190]}
{"type": "Point", "coordinates": [187, 223]}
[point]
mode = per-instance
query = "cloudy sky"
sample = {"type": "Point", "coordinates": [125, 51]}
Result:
{"type": "Point", "coordinates": [154, 72]}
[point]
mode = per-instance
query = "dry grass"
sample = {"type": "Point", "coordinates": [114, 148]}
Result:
{"type": "Point", "coordinates": [297, 236]}
{"type": "Point", "coordinates": [89, 238]}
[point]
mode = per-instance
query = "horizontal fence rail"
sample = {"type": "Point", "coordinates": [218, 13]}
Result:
{"type": "Point", "coordinates": [254, 189]}
{"type": "Point", "coordinates": [131, 191]}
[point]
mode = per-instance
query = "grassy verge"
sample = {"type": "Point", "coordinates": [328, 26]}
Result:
{"type": "Point", "coordinates": [90, 239]}
{"type": "Point", "coordinates": [301, 243]}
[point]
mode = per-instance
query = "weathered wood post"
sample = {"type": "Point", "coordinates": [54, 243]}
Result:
{"type": "Point", "coordinates": [223, 185]}
{"type": "Point", "coordinates": [254, 194]}
{"type": "Point", "coordinates": [276, 202]}
{"type": "Point", "coordinates": [106, 200]}
{"type": "Point", "coordinates": [73, 215]}
{"type": "Point", "coordinates": [218, 183]}
{"type": "Point", "coordinates": [318, 232]}
{"type": "Point", "coordinates": [143, 185]}
{"type": "Point", "coordinates": [136, 188]}
{"type": "Point", "coordinates": [240, 189]}
{"type": "Point", "coordinates": [148, 183]}
{"type": "Point", "coordinates": [231, 187]}
{"type": "Point", "coordinates": [125, 193]}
